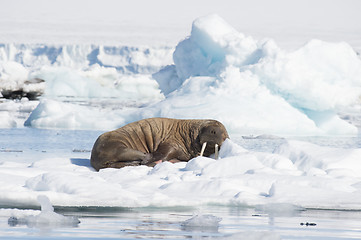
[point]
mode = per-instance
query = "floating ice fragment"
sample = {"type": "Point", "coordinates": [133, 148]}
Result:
{"type": "Point", "coordinates": [46, 218]}
{"type": "Point", "coordinates": [280, 209]}
{"type": "Point", "coordinates": [255, 235]}
{"type": "Point", "coordinates": [205, 221]}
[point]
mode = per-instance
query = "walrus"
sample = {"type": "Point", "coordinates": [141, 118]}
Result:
{"type": "Point", "coordinates": [154, 140]}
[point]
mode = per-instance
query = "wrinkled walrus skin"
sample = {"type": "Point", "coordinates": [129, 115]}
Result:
{"type": "Point", "coordinates": [148, 141]}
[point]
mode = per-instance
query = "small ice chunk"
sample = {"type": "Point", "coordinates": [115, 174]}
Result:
{"type": "Point", "coordinates": [46, 218]}
{"type": "Point", "coordinates": [202, 221]}
{"type": "Point", "coordinates": [280, 209]}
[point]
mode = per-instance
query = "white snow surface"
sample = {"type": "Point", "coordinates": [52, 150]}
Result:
{"type": "Point", "coordinates": [252, 84]}
{"type": "Point", "coordinates": [297, 175]}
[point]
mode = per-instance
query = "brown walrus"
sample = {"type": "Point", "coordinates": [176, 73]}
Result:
{"type": "Point", "coordinates": [149, 141]}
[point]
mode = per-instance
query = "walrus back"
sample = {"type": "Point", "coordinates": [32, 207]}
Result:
{"type": "Point", "coordinates": [144, 135]}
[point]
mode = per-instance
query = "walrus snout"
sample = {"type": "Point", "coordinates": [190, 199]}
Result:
{"type": "Point", "coordinates": [212, 134]}
{"type": "Point", "coordinates": [211, 139]}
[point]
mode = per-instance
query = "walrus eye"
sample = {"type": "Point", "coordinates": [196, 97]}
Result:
{"type": "Point", "coordinates": [216, 151]}
{"type": "Point", "coordinates": [203, 148]}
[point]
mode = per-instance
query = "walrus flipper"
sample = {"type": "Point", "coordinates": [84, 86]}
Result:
{"type": "Point", "coordinates": [165, 152]}
{"type": "Point", "coordinates": [110, 156]}
{"type": "Point", "coordinates": [123, 164]}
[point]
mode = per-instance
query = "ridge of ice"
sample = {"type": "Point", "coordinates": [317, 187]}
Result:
{"type": "Point", "coordinates": [252, 86]}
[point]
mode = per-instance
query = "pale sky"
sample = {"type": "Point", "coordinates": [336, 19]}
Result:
{"type": "Point", "coordinates": [167, 21]}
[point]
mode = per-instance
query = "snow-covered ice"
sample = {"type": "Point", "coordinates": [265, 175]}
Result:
{"type": "Point", "coordinates": [297, 174]}
{"type": "Point", "coordinates": [252, 86]}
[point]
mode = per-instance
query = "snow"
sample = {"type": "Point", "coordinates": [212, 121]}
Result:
{"type": "Point", "coordinates": [13, 114]}
{"type": "Point", "coordinates": [296, 175]}
{"type": "Point", "coordinates": [252, 84]}
{"type": "Point", "coordinates": [319, 76]}
{"type": "Point", "coordinates": [11, 74]}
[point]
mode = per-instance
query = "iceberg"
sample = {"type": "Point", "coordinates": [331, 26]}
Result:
{"type": "Point", "coordinates": [126, 59]}
{"type": "Point", "coordinates": [252, 86]}
{"type": "Point", "coordinates": [255, 87]}
{"type": "Point", "coordinates": [84, 71]}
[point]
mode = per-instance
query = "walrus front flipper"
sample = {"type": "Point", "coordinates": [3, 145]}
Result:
{"type": "Point", "coordinates": [165, 152]}
{"type": "Point", "coordinates": [112, 156]}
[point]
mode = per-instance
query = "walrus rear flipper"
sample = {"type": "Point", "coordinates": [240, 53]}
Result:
{"type": "Point", "coordinates": [123, 164]}
{"type": "Point", "coordinates": [165, 152]}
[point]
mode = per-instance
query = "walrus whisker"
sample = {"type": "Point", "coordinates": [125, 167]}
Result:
{"type": "Point", "coordinates": [216, 151]}
{"type": "Point", "coordinates": [203, 148]}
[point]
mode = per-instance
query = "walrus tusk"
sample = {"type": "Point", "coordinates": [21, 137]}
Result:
{"type": "Point", "coordinates": [203, 148]}
{"type": "Point", "coordinates": [216, 151]}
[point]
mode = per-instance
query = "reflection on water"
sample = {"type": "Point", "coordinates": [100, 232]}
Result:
{"type": "Point", "coordinates": [167, 223]}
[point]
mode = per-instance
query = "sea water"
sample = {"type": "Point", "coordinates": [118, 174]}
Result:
{"type": "Point", "coordinates": [168, 223]}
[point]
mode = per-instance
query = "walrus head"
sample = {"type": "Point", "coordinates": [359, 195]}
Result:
{"type": "Point", "coordinates": [211, 138]}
